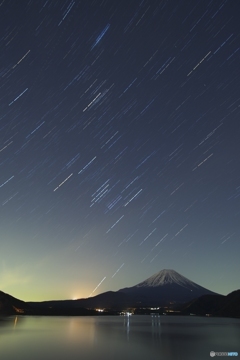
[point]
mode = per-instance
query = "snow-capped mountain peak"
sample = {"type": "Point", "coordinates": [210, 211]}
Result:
{"type": "Point", "coordinates": [164, 277]}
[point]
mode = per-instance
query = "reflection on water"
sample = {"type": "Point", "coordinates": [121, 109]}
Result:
{"type": "Point", "coordinates": [120, 337]}
{"type": "Point", "coordinates": [15, 321]}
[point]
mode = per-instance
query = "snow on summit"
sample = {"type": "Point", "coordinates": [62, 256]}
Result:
{"type": "Point", "coordinates": [164, 277]}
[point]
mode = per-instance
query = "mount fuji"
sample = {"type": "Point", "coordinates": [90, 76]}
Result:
{"type": "Point", "coordinates": [164, 288]}
{"type": "Point", "coordinates": [164, 277]}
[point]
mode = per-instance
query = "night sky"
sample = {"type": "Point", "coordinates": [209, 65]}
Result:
{"type": "Point", "coordinates": [119, 144]}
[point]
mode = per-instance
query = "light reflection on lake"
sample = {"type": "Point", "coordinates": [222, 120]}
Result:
{"type": "Point", "coordinates": [117, 337]}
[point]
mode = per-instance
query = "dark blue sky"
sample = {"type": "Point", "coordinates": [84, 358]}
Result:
{"type": "Point", "coordinates": [119, 133]}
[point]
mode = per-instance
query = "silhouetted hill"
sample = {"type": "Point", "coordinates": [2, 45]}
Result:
{"type": "Point", "coordinates": [10, 305]}
{"type": "Point", "coordinates": [109, 300]}
{"type": "Point", "coordinates": [214, 305]}
{"type": "Point", "coordinates": [166, 288]}
{"type": "Point", "coordinates": [162, 289]}
{"type": "Point", "coordinates": [231, 306]}
{"type": "Point", "coordinates": [206, 304]}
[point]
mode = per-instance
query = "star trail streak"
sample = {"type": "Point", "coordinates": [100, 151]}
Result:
{"type": "Point", "coordinates": [63, 182]}
{"type": "Point", "coordinates": [118, 270]}
{"type": "Point", "coordinates": [86, 166]}
{"type": "Point", "coordinates": [133, 197]}
{"type": "Point", "coordinates": [6, 181]}
{"type": "Point", "coordinates": [22, 58]}
{"type": "Point", "coordinates": [99, 38]}
{"type": "Point", "coordinates": [23, 92]}
{"type": "Point", "coordinates": [199, 63]}
{"type": "Point", "coordinates": [97, 286]}
{"type": "Point", "coordinates": [114, 224]}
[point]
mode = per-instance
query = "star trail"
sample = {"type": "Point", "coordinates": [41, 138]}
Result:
{"type": "Point", "coordinates": [119, 145]}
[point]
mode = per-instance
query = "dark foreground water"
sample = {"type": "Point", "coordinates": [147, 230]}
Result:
{"type": "Point", "coordinates": [117, 337]}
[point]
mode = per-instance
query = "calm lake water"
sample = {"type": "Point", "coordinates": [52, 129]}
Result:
{"type": "Point", "coordinates": [117, 337]}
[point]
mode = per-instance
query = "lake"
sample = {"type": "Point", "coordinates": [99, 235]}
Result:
{"type": "Point", "coordinates": [117, 337]}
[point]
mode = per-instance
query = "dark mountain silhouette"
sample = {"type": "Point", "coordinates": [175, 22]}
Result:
{"type": "Point", "coordinates": [214, 305]}
{"type": "Point", "coordinates": [166, 288]}
{"type": "Point", "coordinates": [11, 305]}
{"type": "Point", "coordinates": [162, 289]}
{"type": "Point", "coordinates": [107, 300]}
{"type": "Point", "coordinates": [231, 306]}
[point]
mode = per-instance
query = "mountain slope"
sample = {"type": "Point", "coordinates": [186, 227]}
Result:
{"type": "Point", "coordinates": [109, 299]}
{"type": "Point", "coordinates": [215, 305]}
{"type": "Point", "coordinates": [164, 277]}
{"type": "Point", "coordinates": [164, 288]}
{"type": "Point", "coordinates": [10, 305]}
